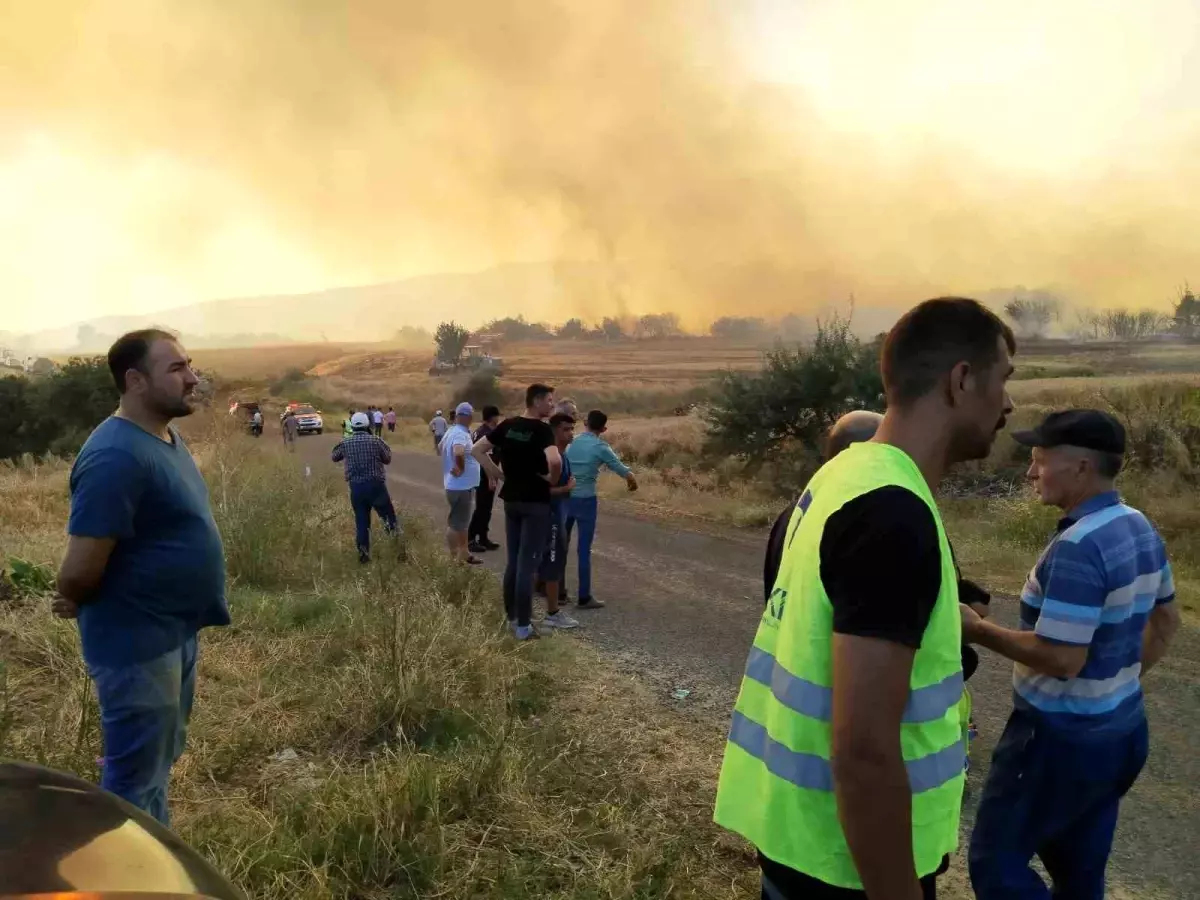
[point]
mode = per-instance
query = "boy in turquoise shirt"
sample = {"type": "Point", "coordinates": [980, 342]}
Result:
{"type": "Point", "coordinates": [588, 454]}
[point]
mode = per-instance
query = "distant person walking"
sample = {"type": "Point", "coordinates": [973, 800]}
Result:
{"type": "Point", "coordinates": [291, 428]}
{"type": "Point", "coordinates": [348, 424]}
{"type": "Point", "coordinates": [485, 494]}
{"type": "Point", "coordinates": [531, 464]}
{"type": "Point", "coordinates": [377, 421]}
{"type": "Point", "coordinates": [256, 423]}
{"type": "Point", "coordinates": [460, 476]}
{"type": "Point", "coordinates": [144, 569]}
{"type": "Point", "coordinates": [365, 456]}
{"type": "Point", "coordinates": [588, 454]}
{"type": "Point", "coordinates": [438, 426]}
{"type": "Point", "coordinates": [1097, 612]}
{"type": "Point", "coordinates": [552, 571]}
{"type": "Point", "coordinates": [390, 418]}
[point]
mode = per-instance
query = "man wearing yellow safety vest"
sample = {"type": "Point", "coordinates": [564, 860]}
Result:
{"type": "Point", "coordinates": [844, 764]}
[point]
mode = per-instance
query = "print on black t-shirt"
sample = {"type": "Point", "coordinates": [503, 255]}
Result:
{"type": "Point", "coordinates": [523, 444]}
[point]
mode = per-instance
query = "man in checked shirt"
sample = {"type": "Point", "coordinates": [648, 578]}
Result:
{"type": "Point", "coordinates": [365, 455]}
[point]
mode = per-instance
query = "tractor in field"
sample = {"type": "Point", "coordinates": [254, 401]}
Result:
{"type": "Point", "coordinates": [474, 357]}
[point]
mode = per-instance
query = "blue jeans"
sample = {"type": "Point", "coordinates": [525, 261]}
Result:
{"type": "Point", "coordinates": [583, 511]}
{"type": "Point", "coordinates": [526, 526]}
{"type": "Point", "coordinates": [144, 711]}
{"type": "Point", "coordinates": [1055, 797]}
{"type": "Point", "coordinates": [364, 497]}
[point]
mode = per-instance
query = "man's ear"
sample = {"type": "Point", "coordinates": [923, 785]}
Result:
{"type": "Point", "coordinates": [961, 381]}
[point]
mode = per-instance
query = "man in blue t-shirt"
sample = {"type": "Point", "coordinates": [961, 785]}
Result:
{"type": "Point", "coordinates": [144, 569]}
{"type": "Point", "coordinates": [1096, 613]}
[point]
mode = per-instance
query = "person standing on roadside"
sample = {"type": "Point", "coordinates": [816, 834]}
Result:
{"type": "Point", "coordinates": [348, 424]}
{"type": "Point", "coordinates": [485, 494]}
{"type": "Point", "coordinates": [844, 764]}
{"type": "Point", "coordinates": [365, 456]}
{"type": "Point", "coordinates": [144, 569]}
{"type": "Point", "coordinates": [256, 423]}
{"type": "Point", "coordinates": [460, 476]}
{"type": "Point", "coordinates": [1097, 612]}
{"type": "Point", "coordinates": [291, 428]}
{"type": "Point", "coordinates": [438, 426]}
{"type": "Point", "coordinates": [531, 464]}
{"type": "Point", "coordinates": [377, 421]}
{"type": "Point", "coordinates": [588, 454]}
{"type": "Point", "coordinates": [390, 419]}
{"type": "Point", "coordinates": [552, 571]}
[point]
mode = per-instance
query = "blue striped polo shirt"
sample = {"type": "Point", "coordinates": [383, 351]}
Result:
{"type": "Point", "coordinates": [1095, 585]}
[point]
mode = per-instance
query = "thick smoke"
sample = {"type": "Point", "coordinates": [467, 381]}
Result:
{"type": "Point", "coordinates": [387, 139]}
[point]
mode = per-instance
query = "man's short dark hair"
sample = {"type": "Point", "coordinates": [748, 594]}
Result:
{"type": "Point", "coordinates": [490, 412]}
{"type": "Point", "coordinates": [1108, 464]}
{"type": "Point", "coordinates": [536, 392]}
{"type": "Point", "coordinates": [561, 419]}
{"type": "Point", "coordinates": [932, 338]}
{"type": "Point", "coordinates": [130, 352]}
{"type": "Point", "coordinates": [596, 420]}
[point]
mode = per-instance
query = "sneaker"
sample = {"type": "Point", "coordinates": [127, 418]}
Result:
{"type": "Point", "coordinates": [590, 603]}
{"type": "Point", "coordinates": [525, 633]}
{"type": "Point", "coordinates": [560, 619]}
{"type": "Point", "coordinates": [474, 561]}
{"type": "Point", "coordinates": [476, 547]}
{"type": "Point", "coordinates": [490, 545]}
{"type": "Point", "coordinates": [364, 558]}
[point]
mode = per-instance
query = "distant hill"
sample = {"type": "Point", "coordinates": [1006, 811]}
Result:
{"type": "Point", "coordinates": [370, 312]}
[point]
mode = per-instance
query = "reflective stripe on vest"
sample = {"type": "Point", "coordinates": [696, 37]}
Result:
{"type": "Point", "coordinates": [806, 770]}
{"type": "Point", "coordinates": [927, 704]}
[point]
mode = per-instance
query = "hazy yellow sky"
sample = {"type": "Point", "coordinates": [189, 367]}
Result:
{"type": "Point", "coordinates": [153, 154]}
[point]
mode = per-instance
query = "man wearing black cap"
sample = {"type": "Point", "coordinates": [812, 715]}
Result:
{"type": "Point", "coordinates": [1096, 613]}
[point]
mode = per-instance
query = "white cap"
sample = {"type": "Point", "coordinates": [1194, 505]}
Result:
{"type": "Point", "coordinates": [464, 409]}
{"type": "Point", "coordinates": [438, 413]}
{"type": "Point", "coordinates": [360, 420]}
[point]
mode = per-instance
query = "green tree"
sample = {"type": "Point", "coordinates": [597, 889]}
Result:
{"type": "Point", "coordinates": [450, 339]}
{"type": "Point", "coordinates": [1185, 320]}
{"type": "Point", "coordinates": [572, 329]}
{"type": "Point", "coordinates": [55, 413]}
{"type": "Point", "coordinates": [796, 396]}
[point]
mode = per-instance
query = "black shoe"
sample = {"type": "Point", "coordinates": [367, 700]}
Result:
{"type": "Point", "coordinates": [590, 603]}
{"type": "Point", "coordinates": [476, 547]}
{"type": "Point", "coordinates": [364, 558]}
{"type": "Point", "coordinates": [489, 545]}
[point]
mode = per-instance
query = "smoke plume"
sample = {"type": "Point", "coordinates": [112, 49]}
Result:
{"type": "Point", "coordinates": [381, 139]}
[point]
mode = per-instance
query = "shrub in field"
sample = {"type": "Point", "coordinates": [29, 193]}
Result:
{"type": "Point", "coordinates": [54, 413]}
{"type": "Point", "coordinates": [481, 389]}
{"type": "Point", "coordinates": [798, 394]}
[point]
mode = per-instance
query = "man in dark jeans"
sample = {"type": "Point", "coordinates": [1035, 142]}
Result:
{"type": "Point", "coordinates": [485, 494]}
{"type": "Point", "coordinates": [531, 463]}
{"type": "Point", "coordinates": [365, 455]}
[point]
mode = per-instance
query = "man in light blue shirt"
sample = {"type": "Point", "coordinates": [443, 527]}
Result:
{"type": "Point", "coordinates": [1096, 613]}
{"type": "Point", "coordinates": [587, 455]}
{"type": "Point", "coordinates": [460, 476]}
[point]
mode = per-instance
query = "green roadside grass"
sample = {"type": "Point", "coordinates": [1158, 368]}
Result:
{"type": "Point", "coordinates": [372, 732]}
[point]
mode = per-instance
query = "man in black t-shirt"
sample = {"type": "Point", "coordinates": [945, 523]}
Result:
{"type": "Point", "coordinates": [531, 463]}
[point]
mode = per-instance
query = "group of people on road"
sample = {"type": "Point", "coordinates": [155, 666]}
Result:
{"type": "Point", "coordinates": [844, 764]}
{"type": "Point", "coordinates": [376, 420]}
{"type": "Point", "coordinates": [531, 461]}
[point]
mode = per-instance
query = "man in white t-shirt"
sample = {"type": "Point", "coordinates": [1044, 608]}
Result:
{"type": "Point", "coordinates": [460, 476]}
{"type": "Point", "coordinates": [377, 421]}
{"type": "Point", "coordinates": [438, 426]}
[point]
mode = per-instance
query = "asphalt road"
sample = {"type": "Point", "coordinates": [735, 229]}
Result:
{"type": "Point", "coordinates": [683, 606]}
